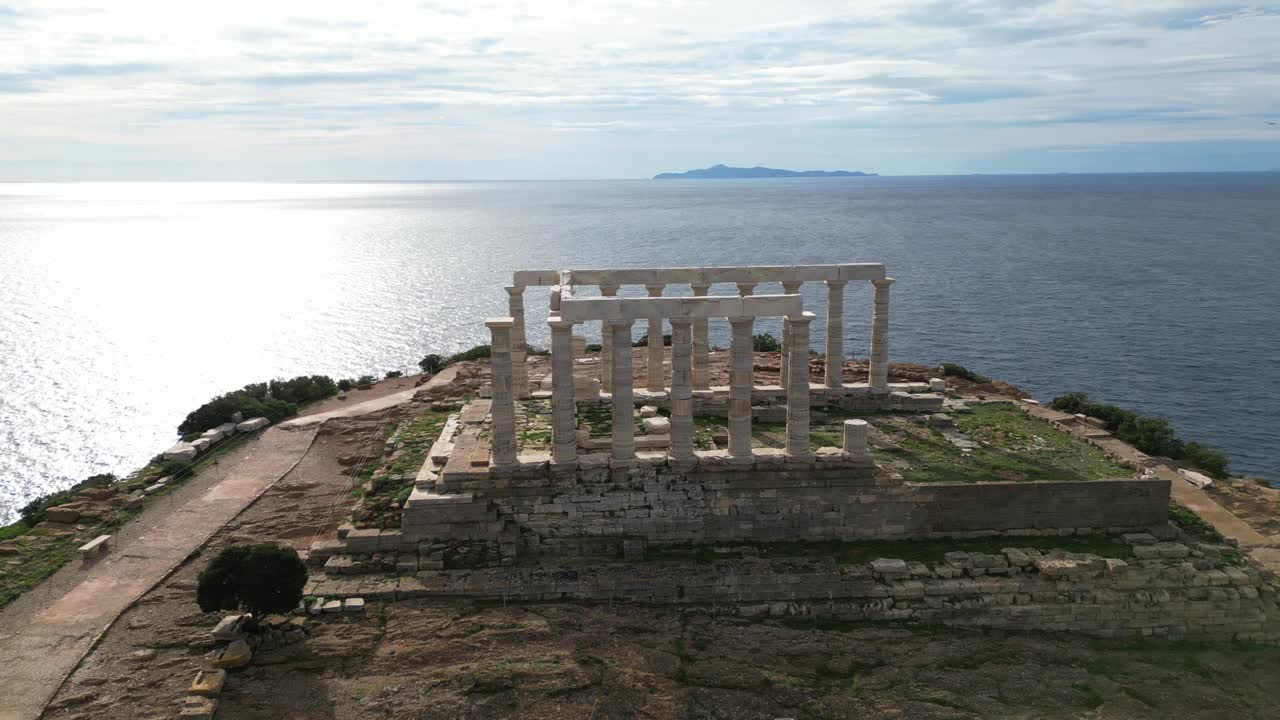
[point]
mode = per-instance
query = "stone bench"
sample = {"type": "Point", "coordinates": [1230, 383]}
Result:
{"type": "Point", "coordinates": [95, 546]}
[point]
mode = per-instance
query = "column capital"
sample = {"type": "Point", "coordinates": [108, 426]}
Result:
{"type": "Point", "coordinates": [741, 320]}
{"type": "Point", "coordinates": [834, 284]}
{"type": "Point", "coordinates": [557, 324]}
{"type": "Point", "coordinates": [656, 289]}
{"type": "Point", "coordinates": [883, 283]}
{"type": "Point", "coordinates": [790, 287]}
{"type": "Point", "coordinates": [499, 323]}
{"type": "Point", "coordinates": [682, 322]}
{"type": "Point", "coordinates": [803, 318]}
{"type": "Point", "coordinates": [608, 290]}
{"type": "Point", "coordinates": [746, 288]}
{"type": "Point", "coordinates": [700, 289]}
{"type": "Point", "coordinates": [621, 323]}
{"type": "Point", "coordinates": [515, 290]}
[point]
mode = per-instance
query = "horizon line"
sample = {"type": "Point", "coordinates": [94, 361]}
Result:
{"type": "Point", "coordinates": [868, 177]}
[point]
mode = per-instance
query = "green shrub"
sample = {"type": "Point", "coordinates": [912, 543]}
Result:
{"type": "Point", "coordinates": [765, 342]}
{"type": "Point", "coordinates": [593, 348]}
{"type": "Point", "coordinates": [961, 371]}
{"type": "Point", "coordinates": [476, 353]}
{"type": "Point", "coordinates": [1151, 435]}
{"type": "Point", "coordinates": [346, 384]}
{"type": "Point", "coordinates": [303, 389]}
{"type": "Point", "coordinates": [364, 382]}
{"type": "Point", "coordinates": [644, 341]}
{"type": "Point", "coordinates": [1206, 458]}
{"type": "Point", "coordinates": [431, 364]}
{"type": "Point", "coordinates": [220, 409]}
{"type": "Point", "coordinates": [393, 374]}
{"type": "Point", "coordinates": [262, 579]}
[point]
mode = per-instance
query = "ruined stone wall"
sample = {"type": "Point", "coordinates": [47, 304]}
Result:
{"type": "Point", "coordinates": [1176, 592]}
{"type": "Point", "coordinates": [590, 511]}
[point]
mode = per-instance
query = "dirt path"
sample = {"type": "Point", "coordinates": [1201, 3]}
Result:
{"type": "Point", "coordinates": [46, 633]}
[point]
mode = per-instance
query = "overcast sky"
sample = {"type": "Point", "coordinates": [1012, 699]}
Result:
{"type": "Point", "coordinates": [272, 90]}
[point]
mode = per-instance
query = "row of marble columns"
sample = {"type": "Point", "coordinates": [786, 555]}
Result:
{"type": "Point", "coordinates": [700, 375]}
{"type": "Point", "coordinates": [623, 445]}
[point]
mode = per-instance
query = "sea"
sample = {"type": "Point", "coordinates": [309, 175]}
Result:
{"type": "Point", "coordinates": [125, 305]}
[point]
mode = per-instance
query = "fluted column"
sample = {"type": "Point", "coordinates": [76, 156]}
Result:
{"type": "Point", "coordinates": [798, 387]}
{"type": "Point", "coordinates": [624, 425]}
{"type": "Point", "coordinates": [519, 370]}
{"type": "Point", "coordinates": [681, 391]}
{"type": "Point", "coordinates": [740, 362]}
{"type": "Point", "coordinates": [789, 288]}
{"type": "Point", "coordinates": [835, 332]}
{"type": "Point", "coordinates": [564, 423]}
{"type": "Point", "coordinates": [502, 405]}
{"type": "Point", "coordinates": [701, 359]}
{"type": "Point", "coordinates": [878, 367]}
{"type": "Point", "coordinates": [655, 344]}
{"type": "Point", "coordinates": [606, 344]}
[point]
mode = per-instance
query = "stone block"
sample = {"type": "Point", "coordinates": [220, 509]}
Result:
{"type": "Point", "coordinates": [332, 606]}
{"type": "Point", "coordinates": [236, 654]}
{"type": "Point", "coordinates": [1138, 539]}
{"type": "Point", "coordinates": [181, 451]}
{"type": "Point", "coordinates": [208, 683]}
{"type": "Point", "coordinates": [353, 605]}
{"type": "Point", "coordinates": [252, 425]}
{"type": "Point", "coordinates": [63, 514]}
{"type": "Point", "coordinates": [656, 425]}
{"type": "Point", "coordinates": [648, 411]}
{"type": "Point", "coordinates": [229, 627]}
{"type": "Point", "coordinates": [196, 707]}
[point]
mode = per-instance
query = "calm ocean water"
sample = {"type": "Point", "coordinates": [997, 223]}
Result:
{"type": "Point", "coordinates": [126, 305]}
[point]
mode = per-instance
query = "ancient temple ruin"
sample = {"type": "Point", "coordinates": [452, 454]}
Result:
{"type": "Point", "coordinates": [642, 480]}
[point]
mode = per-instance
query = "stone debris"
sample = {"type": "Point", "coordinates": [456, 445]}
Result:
{"type": "Point", "coordinates": [182, 451]}
{"type": "Point", "coordinates": [1200, 480]}
{"type": "Point", "coordinates": [196, 707]}
{"type": "Point", "coordinates": [656, 425]}
{"type": "Point", "coordinates": [648, 411]}
{"type": "Point", "coordinates": [1138, 539]}
{"type": "Point", "coordinates": [236, 654]}
{"type": "Point", "coordinates": [208, 683]}
{"type": "Point", "coordinates": [333, 606]}
{"type": "Point", "coordinates": [230, 627]}
{"type": "Point", "coordinates": [941, 420]}
{"type": "Point", "coordinates": [353, 604]}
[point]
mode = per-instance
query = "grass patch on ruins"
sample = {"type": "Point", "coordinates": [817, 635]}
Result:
{"type": "Point", "coordinates": [39, 554]}
{"type": "Point", "coordinates": [862, 551]}
{"type": "Point", "coordinates": [1011, 446]}
{"type": "Point", "coordinates": [385, 482]}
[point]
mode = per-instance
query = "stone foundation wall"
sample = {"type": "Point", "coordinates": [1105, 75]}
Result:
{"type": "Point", "coordinates": [771, 500]}
{"type": "Point", "coordinates": [1181, 592]}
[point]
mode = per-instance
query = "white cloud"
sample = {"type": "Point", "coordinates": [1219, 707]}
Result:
{"type": "Point", "coordinates": [294, 89]}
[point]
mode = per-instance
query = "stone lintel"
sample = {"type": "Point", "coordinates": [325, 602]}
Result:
{"type": "Point", "coordinates": [605, 308]}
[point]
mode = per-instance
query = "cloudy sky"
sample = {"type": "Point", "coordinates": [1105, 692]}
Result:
{"type": "Point", "coordinates": [274, 90]}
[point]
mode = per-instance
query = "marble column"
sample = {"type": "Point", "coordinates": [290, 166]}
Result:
{"type": "Point", "coordinates": [855, 439]}
{"type": "Point", "coordinates": [564, 423]}
{"type": "Point", "coordinates": [798, 388]}
{"type": "Point", "coordinates": [740, 362]}
{"type": "Point", "coordinates": [701, 361]}
{"type": "Point", "coordinates": [788, 288]}
{"type": "Point", "coordinates": [520, 371]}
{"type": "Point", "coordinates": [502, 405]}
{"type": "Point", "coordinates": [624, 424]}
{"type": "Point", "coordinates": [655, 345]}
{"type": "Point", "coordinates": [681, 391]}
{"type": "Point", "coordinates": [878, 370]}
{"type": "Point", "coordinates": [606, 344]}
{"type": "Point", "coordinates": [835, 332]}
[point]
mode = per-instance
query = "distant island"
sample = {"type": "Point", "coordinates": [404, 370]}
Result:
{"type": "Point", "coordinates": [724, 172]}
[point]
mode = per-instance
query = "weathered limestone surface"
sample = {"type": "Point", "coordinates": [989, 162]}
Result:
{"type": "Point", "coordinates": [503, 405]}
{"type": "Point", "coordinates": [740, 365]}
{"type": "Point", "coordinates": [654, 366]}
{"type": "Point", "coordinates": [878, 373]}
{"type": "Point", "coordinates": [835, 332]}
{"type": "Point", "coordinates": [1021, 589]}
